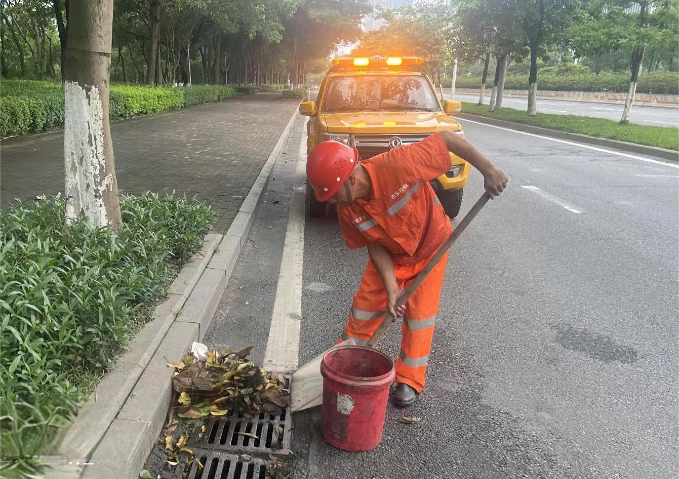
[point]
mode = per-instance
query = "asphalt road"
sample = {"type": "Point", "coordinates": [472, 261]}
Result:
{"type": "Point", "coordinates": [643, 115]}
{"type": "Point", "coordinates": [556, 348]}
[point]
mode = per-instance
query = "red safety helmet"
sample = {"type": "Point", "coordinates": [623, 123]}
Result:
{"type": "Point", "coordinates": [328, 166]}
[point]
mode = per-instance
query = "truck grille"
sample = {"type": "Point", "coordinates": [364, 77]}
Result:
{"type": "Point", "coordinates": [371, 145]}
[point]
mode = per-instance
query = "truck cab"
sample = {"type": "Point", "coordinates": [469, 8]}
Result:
{"type": "Point", "coordinates": [377, 104]}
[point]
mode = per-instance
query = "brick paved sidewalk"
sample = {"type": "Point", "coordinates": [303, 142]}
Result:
{"type": "Point", "coordinates": [214, 151]}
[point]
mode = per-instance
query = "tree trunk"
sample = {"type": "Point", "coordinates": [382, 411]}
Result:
{"type": "Point", "coordinates": [484, 78]}
{"type": "Point", "coordinates": [122, 62]}
{"type": "Point", "coordinates": [637, 57]}
{"type": "Point", "coordinates": [3, 54]}
{"type": "Point", "coordinates": [91, 186]}
{"type": "Point", "coordinates": [159, 66]}
{"type": "Point", "coordinates": [218, 60]}
{"type": "Point", "coordinates": [501, 82]}
{"type": "Point", "coordinates": [493, 93]}
{"type": "Point", "coordinates": [296, 60]}
{"type": "Point", "coordinates": [154, 26]}
{"type": "Point", "coordinates": [17, 42]}
{"type": "Point", "coordinates": [533, 80]}
{"type": "Point", "coordinates": [203, 59]}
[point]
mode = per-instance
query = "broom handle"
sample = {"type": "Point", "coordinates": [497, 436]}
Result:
{"type": "Point", "coordinates": [388, 318]}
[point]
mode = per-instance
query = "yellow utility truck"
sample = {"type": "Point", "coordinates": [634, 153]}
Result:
{"type": "Point", "coordinates": [377, 104]}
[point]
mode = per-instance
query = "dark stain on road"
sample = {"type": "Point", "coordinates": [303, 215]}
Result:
{"type": "Point", "coordinates": [596, 346]}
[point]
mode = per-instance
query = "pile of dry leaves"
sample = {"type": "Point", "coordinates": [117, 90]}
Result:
{"type": "Point", "coordinates": [219, 384]}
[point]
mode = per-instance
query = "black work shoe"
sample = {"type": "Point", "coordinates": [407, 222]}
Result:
{"type": "Point", "coordinates": [404, 396]}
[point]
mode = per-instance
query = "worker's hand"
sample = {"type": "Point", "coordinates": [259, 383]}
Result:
{"type": "Point", "coordinates": [392, 296]}
{"type": "Point", "coordinates": [495, 180]}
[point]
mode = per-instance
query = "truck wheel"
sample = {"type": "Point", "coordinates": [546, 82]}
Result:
{"type": "Point", "coordinates": [314, 208]}
{"type": "Point", "coordinates": [451, 202]}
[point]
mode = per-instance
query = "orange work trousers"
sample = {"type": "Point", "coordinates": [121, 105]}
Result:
{"type": "Point", "coordinates": [418, 321]}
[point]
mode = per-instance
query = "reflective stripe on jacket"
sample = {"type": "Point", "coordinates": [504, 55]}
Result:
{"type": "Point", "coordinates": [402, 213]}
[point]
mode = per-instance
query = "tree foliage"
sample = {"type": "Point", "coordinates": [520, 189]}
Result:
{"type": "Point", "coordinates": [182, 41]}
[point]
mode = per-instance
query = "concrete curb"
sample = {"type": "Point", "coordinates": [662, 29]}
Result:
{"type": "Point", "coordinates": [618, 145]}
{"type": "Point", "coordinates": [652, 100]}
{"type": "Point", "coordinates": [115, 430]}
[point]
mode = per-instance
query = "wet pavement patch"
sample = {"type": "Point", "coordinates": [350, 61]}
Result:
{"type": "Point", "coordinates": [596, 346]}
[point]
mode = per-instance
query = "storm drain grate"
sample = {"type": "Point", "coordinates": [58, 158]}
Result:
{"type": "Point", "coordinates": [262, 434]}
{"type": "Point", "coordinates": [220, 465]}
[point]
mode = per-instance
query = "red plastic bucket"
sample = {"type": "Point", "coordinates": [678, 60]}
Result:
{"type": "Point", "coordinates": [356, 382]}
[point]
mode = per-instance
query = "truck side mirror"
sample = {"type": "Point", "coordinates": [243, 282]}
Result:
{"type": "Point", "coordinates": [452, 107]}
{"type": "Point", "coordinates": [308, 108]}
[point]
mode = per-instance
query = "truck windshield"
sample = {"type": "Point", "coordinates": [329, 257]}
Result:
{"type": "Point", "coordinates": [380, 93]}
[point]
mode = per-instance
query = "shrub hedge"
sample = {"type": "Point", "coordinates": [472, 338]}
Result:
{"type": "Point", "coordinates": [72, 296]}
{"type": "Point", "coordinates": [296, 94]}
{"type": "Point", "coordinates": [34, 106]}
{"type": "Point", "coordinates": [653, 82]}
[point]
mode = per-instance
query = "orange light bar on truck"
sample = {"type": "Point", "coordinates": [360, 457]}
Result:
{"type": "Point", "coordinates": [377, 63]}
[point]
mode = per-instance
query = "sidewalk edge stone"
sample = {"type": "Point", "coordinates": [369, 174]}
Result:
{"type": "Point", "coordinates": [564, 135]}
{"type": "Point", "coordinates": [201, 283]}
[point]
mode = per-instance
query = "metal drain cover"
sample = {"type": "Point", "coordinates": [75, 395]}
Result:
{"type": "Point", "coordinates": [262, 434]}
{"type": "Point", "coordinates": [220, 465]}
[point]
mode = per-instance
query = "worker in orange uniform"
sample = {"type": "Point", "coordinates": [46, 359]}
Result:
{"type": "Point", "coordinates": [387, 204]}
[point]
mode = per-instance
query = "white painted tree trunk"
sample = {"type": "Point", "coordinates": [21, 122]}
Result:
{"type": "Point", "coordinates": [532, 99]}
{"type": "Point", "coordinates": [493, 96]}
{"type": "Point", "coordinates": [501, 83]}
{"type": "Point", "coordinates": [629, 101]}
{"type": "Point", "coordinates": [91, 187]}
{"type": "Point", "coordinates": [482, 93]}
{"type": "Point", "coordinates": [188, 59]}
{"type": "Point", "coordinates": [454, 80]}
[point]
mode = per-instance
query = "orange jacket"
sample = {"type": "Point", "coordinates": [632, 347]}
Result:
{"type": "Point", "coordinates": [402, 213]}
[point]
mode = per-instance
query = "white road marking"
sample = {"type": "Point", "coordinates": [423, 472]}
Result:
{"type": "Point", "coordinates": [282, 348]}
{"type": "Point", "coordinates": [657, 176]}
{"type": "Point", "coordinates": [557, 111]}
{"type": "Point", "coordinates": [553, 199]}
{"type": "Point", "coordinates": [626, 155]}
{"type": "Point", "coordinates": [665, 122]}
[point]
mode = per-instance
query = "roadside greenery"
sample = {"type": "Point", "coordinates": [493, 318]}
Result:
{"type": "Point", "coordinates": [296, 94]}
{"type": "Point", "coordinates": [659, 82]}
{"type": "Point", "coordinates": [597, 127]}
{"type": "Point", "coordinates": [71, 298]}
{"type": "Point", "coordinates": [34, 106]}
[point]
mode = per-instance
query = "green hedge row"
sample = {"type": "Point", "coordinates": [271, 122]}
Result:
{"type": "Point", "coordinates": [71, 298]}
{"type": "Point", "coordinates": [653, 82]}
{"type": "Point", "coordinates": [296, 94]}
{"type": "Point", "coordinates": [32, 106]}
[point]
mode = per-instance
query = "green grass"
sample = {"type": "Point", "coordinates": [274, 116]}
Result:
{"type": "Point", "coordinates": [71, 299]}
{"type": "Point", "coordinates": [28, 106]}
{"type": "Point", "coordinates": [657, 136]}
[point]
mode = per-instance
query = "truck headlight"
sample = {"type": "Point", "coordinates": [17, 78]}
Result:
{"type": "Point", "coordinates": [339, 137]}
{"type": "Point", "coordinates": [454, 171]}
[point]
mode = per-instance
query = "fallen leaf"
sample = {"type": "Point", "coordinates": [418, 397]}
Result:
{"type": "Point", "coordinates": [171, 427]}
{"type": "Point", "coordinates": [193, 414]}
{"type": "Point", "coordinates": [168, 443]}
{"type": "Point", "coordinates": [177, 364]}
{"type": "Point", "coordinates": [181, 441]}
{"type": "Point", "coordinates": [145, 474]}
{"type": "Point", "coordinates": [40, 198]}
{"type": "Point", "coordinates": [244, 353]}
{"type": "Point", "coordinates": [249, 434]}
{"type": "Point", "coordinates": [172, 463]}
{"type": "Point", "coordinates": [409, 420]}
{"type": "Point", "coordinates": [219, 412]}
{"type": "Point", "coordinates": [184, 399]}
